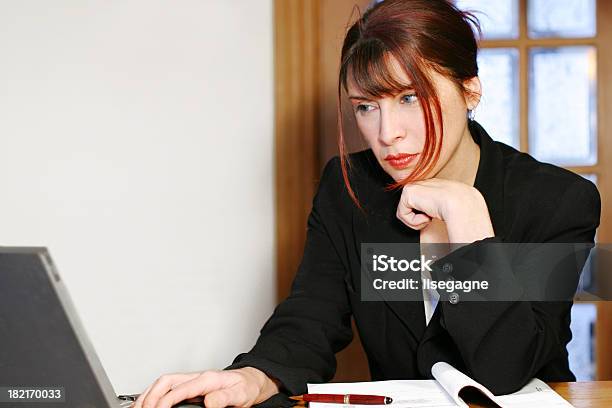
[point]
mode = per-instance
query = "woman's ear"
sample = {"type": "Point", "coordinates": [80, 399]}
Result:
{"type": "Point", "coordinates": [473, 92]}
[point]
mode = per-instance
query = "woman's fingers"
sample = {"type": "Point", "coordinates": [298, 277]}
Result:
{"type": "Point", "coordinates": [141, 397]}
{"type": "Point", "coordinates": [418, 219]}
{"type": "Point", "coordinates": [150, 397]}
{"type": "Point", "coordinates": [233, 396]}
{"type": "Point", "coordinates": [414, 220]}
{"type": "Point", "coordinates": [429, 197]}
{"type": "Point", "coordinates": [207, 382]}
{"type": "Point", "coordinates": [415, 206]}
{"type": "Point", "coordinates": [220, 388]}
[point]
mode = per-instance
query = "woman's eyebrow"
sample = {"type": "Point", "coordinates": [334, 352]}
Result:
{"type": "Point", "coordinates": [407, 88]}
{"type": "Point", "coordinates": [359, 98]}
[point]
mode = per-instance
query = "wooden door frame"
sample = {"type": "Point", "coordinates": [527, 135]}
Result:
{"type": "Point", "coordinates": [296, 118]}
{"type": "Point", "coordinates": [603, 326]}
{"type": "Point", "coordinates": [299, 122]}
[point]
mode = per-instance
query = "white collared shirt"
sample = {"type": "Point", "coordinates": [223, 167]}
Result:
{"type": "Point", "coordinates": [430, 298]}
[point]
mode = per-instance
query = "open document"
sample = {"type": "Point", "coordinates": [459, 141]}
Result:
{"type": "Point", "coordinates": [444, 391]}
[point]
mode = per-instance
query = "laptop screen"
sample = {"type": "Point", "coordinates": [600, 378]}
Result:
{"type": "Point", "coordinates": [39, 341]}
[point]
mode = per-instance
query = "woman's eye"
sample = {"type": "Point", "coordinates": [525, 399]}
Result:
{"type": "Point", "coordinates": [409, 99]}
{"type": "Point", "coordinates": [364, 108]}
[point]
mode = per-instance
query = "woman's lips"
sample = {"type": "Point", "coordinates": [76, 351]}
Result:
{"type": "Point", "coordinates": [401, 160]}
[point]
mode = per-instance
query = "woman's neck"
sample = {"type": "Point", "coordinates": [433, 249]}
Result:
{"type": "Point", "coordinates": [463, 164]}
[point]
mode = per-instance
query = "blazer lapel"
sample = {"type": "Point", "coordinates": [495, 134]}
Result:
{"type": "Point", "coordinates": [490, 176]}
{"type": "Point", "coordinates": [490, 182]}
{"type": "Point", "coordinates": [382, 226]}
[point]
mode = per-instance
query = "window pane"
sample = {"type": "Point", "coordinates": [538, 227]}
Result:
{"type": "Point", "coordinates": [498, 110]}
{"type": "Point", "coordinates": [581, 348]}
{"type": "Point", "coordinates": [561, 18]}
{"type": "Point", "coordinates": [591, 177]}
{"type": "Point", "coordinates": [563, 110]}
{"type": "Point", "coordinates": [498, 19]}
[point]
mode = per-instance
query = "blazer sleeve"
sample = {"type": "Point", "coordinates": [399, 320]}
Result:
{"type": "Point", "coordinates": [297, 344]}
{"type": "Point", "coordinates": [506, 343]}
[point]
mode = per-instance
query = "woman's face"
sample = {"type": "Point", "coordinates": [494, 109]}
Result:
{"type": "Point", "coordinates": [394, 126]}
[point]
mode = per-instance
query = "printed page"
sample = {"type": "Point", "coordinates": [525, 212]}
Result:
{"type": "Point", "coordinates": [453, 380]}
{"type": "Point", "coordinates": [535, 393]}
{"type": "Point", "coordinates": [442, 392]}
{"type": "Point", "coordinates": [405, 393]}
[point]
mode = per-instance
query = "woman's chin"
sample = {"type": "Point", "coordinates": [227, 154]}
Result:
{"type": "Point", "coordinates": [397, 174]}
{"type": "Point", "coordinates": [400, 175]}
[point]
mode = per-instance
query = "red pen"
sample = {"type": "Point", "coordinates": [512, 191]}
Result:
{"type": "Point", "coordinates": [344, 399]}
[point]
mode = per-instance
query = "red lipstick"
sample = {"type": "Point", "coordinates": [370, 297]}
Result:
{"type": "Point", "coordinates": [401, 160]}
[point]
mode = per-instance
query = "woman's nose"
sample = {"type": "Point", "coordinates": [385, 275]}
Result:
{"type": "Point", "coordinates": [390, 130]}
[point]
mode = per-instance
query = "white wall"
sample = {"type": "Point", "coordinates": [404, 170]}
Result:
{"type": "Point", "coordinates": [136, 142]}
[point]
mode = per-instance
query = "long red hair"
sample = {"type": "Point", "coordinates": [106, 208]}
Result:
{"type": "Point", "coordinates": [420, 35]}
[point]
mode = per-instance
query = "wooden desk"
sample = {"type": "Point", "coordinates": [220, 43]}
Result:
{"type": "Point", "coordinates": [593, 394]}
{"type": "Point", "coordinates": [585, 394]}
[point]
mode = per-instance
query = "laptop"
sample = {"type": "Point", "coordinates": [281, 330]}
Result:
{"type": "Point", "coordinates": [46, 358]}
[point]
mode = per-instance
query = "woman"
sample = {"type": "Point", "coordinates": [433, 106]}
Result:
{"type": "Point", "coordinates": [431, 175]}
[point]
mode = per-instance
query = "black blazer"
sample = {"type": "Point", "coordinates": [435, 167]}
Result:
{"type": "Point", "coordinates": [500, 344]}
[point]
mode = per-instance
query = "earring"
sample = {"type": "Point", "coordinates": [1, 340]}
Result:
{"type": "Point", "coordinates": [470, 114]}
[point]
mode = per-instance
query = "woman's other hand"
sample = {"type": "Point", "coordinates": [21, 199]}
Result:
{"type": "Point", "coordinates": [462, 208]}
{"type": "Point", "coordinates": [241, 387]}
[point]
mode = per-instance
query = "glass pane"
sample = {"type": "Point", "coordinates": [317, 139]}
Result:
{"type": "Point", "coordinates": [563, 106]}
{"type": "Point", "coordinates": [581, 348]}
{"type": "Point", "coordinates": [498, 110]}
{"type": "Point", "coordinates": [590, 176]}
{"type": "Point", "coordinates": [593, 178]}
{"type": "Point", "coordinates": [561, 18]}
{"type": "Point", "coordinates": [498, 19]}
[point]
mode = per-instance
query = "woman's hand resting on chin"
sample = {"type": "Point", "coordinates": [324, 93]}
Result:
{"type": "Point", "coordinates": [462, 208]}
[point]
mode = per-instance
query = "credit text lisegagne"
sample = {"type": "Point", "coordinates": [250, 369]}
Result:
{"type": "Point", "coordinates": [384, 263]}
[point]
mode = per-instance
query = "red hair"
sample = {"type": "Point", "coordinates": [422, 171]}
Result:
{"type": "Point", "coordinates": [418, 34]}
